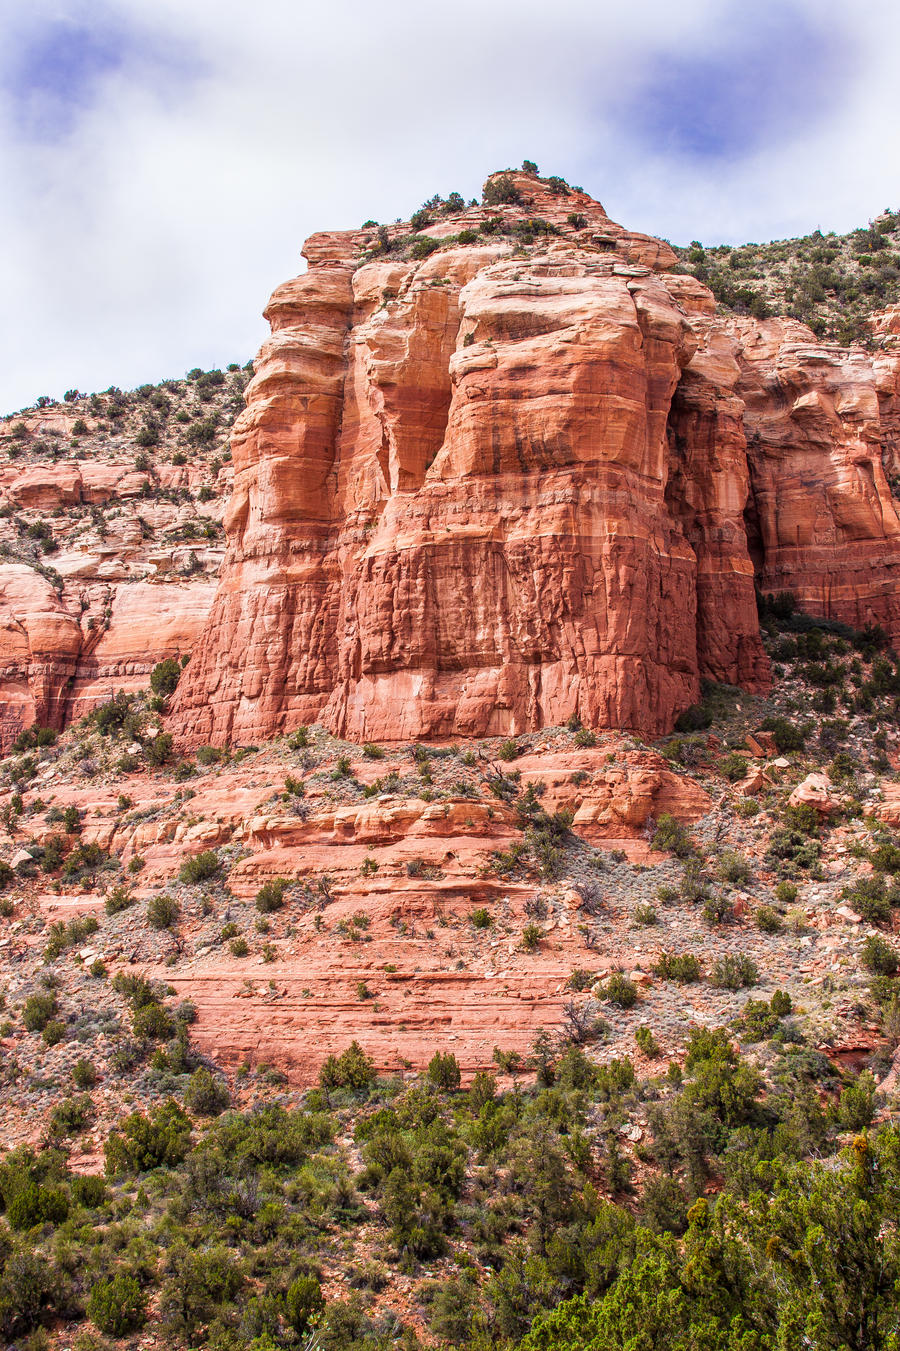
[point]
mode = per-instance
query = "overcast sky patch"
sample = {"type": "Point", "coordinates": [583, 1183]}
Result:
{"type": "Point", "coordinates": [57, 69]}
{"type": "Point", "coordinates": [767, 71]}
{"type": "Point", "coordinates": [54, 76]}
{"type": "Point", "coordinates": [163, 160]}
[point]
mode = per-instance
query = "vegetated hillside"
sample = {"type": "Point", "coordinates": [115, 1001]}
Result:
{"type": "Point", "coordinates": [244, 1112]}
{"type": "Point", "coordinates": [831, 282]}
{"type": "Point", "coordinates": [159, 446]}
{"type": "Point", "coordinates": [110, 537]}
{"type": "Point", "coordinates": [166, 418]}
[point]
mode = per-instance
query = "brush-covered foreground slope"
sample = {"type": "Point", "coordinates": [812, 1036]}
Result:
{"type": "Point", "coordinates": [617, 1010]}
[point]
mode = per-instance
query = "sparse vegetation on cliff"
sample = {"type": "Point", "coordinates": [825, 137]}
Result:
{"type": "Point", "coordinates": [833, 283]}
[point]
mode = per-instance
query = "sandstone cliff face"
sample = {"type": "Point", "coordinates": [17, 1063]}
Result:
{"type": "Point", "coordinates": [40, 644]}
{"type": "Point", "coordinates": [467, 501]}
{"type": "Point", "coordinates": [527, 476]}
{"type": "Point", "coordinates": [819, 422]}
{"type": "Point", "coordinates": [54, 670]}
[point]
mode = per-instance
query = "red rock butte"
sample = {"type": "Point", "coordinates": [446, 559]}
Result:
{"type": "Point", "coordinates": [513, 481]}
{"type": "Point", "coordinates": [529, 475]}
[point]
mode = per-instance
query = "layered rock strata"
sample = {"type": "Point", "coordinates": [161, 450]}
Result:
{"type": "Point", "coordinates": [514, 472]}
{"type": "Point", "coordinates": [467, 500]}
{"type": "Point", "coordinates": [821, 424]}
{"type": "Point", "coordinates": [414, 869]}
{"type": "Point", "coordinates": [109, 548]}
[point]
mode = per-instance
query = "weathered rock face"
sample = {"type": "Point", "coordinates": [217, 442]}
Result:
{"type": "Point", "coordinates": [707, 490]}
{"type": "Point", "coordinates": [54, 668]}
{"type": "Point", "coordinates": [819, 423]}
{"type": "Point", "coordinates": [530, 475]}
{"type": "Point", "coordinates": [40, 644]}
{"type": "Point", "coordinates": [465, 501]}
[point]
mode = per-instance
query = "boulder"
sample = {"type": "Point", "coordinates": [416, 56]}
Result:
{"type": "Point", "coordinates": [815, 791]}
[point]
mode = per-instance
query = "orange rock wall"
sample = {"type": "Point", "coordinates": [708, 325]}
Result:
{"type": "Point", "coordinates": [523, 478]}
{"type": "Point", "coordinates": [453, 508]}
{"type": "Point", "coordinates": [483, 492]}
{"type": "Point", "coordinates": [54, 669]}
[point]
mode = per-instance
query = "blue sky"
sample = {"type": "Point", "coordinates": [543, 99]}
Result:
{"type": "Point", "coordinates": [163, 160]}
{"type": "Point", "coordinates": [53, 74]}
{"type": "Point", "coordinates": [768, 73]}
{"type": "Point", "coordinates": [63, 60]}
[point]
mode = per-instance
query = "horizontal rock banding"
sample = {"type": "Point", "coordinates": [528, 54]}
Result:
{"type": "Point", "coordinates": [496, 488]}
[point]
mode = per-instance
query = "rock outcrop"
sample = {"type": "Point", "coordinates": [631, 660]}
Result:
{"type": "Point", "coordinates": [820, 424]}
{"type": "Point", "coordinates": [54, 668]}
{"type": "Point", "coordinates": [490, 477]}
{"type": "Point", "coordinates": [529, 476]}
{"type": "Point", "coordinates": [40, 644]}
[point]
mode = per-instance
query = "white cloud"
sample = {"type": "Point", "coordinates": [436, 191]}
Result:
{"type": "Point", "coordinates": [146, 239]}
